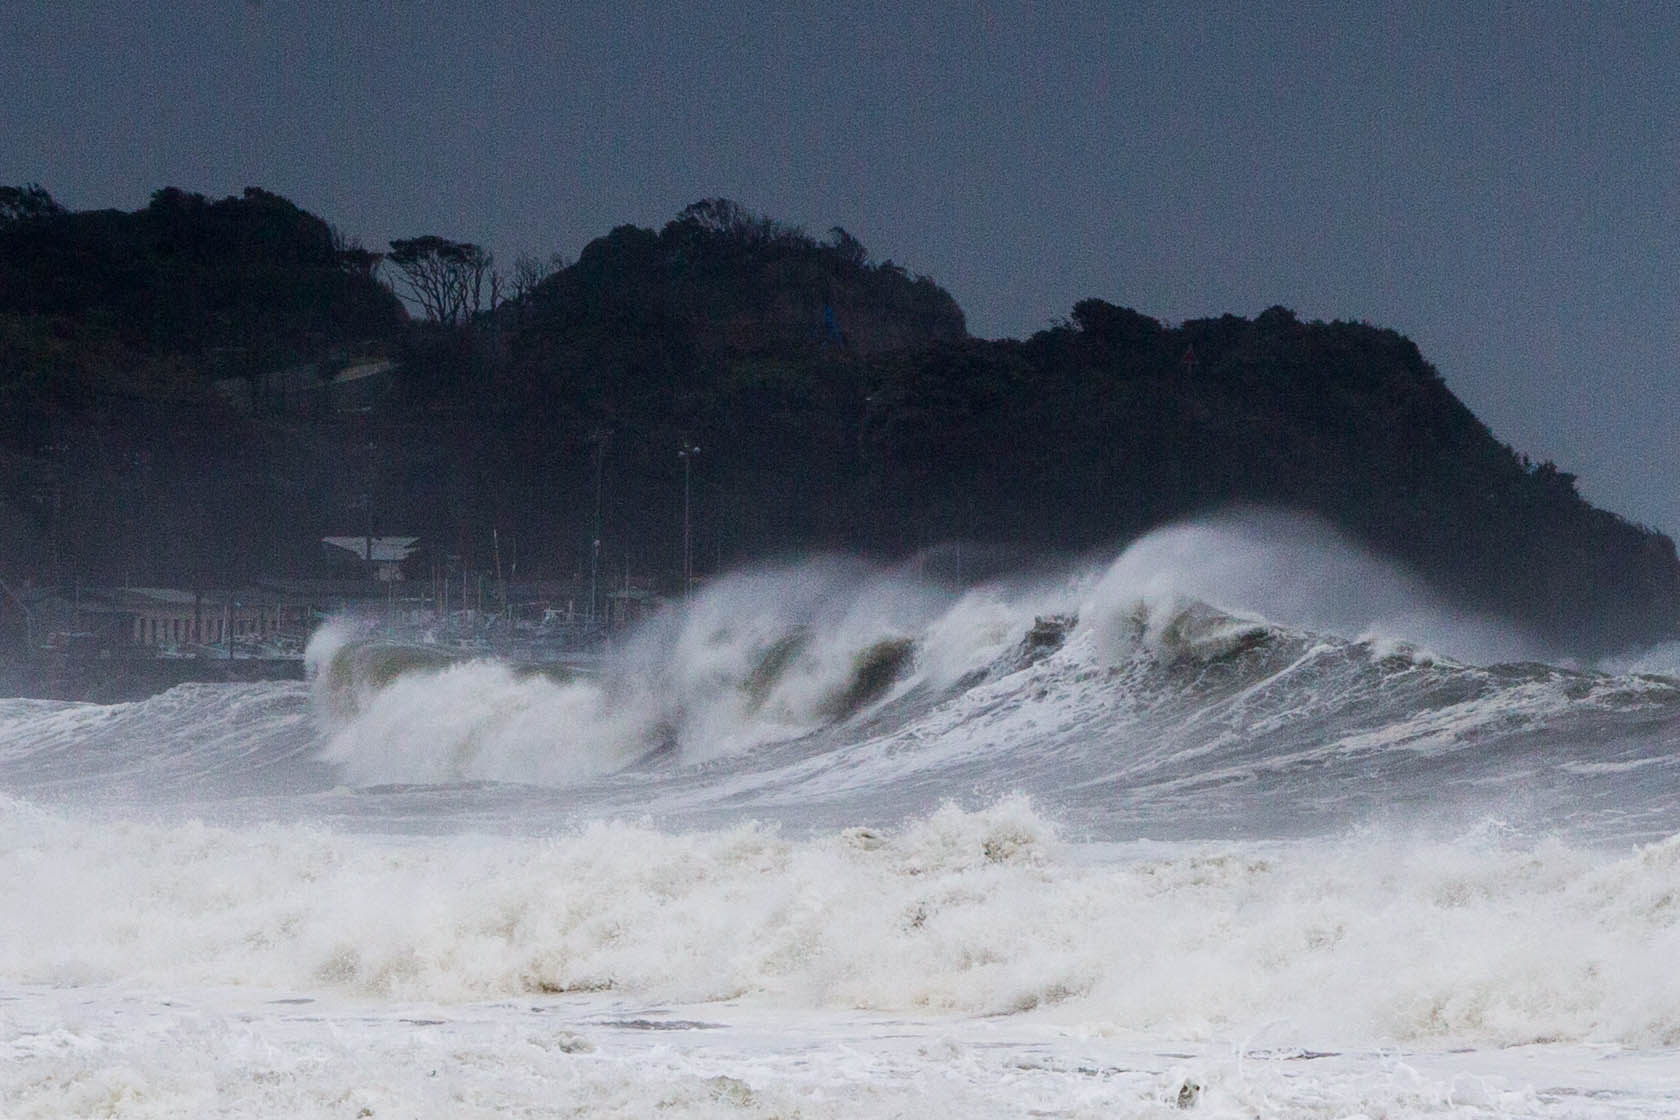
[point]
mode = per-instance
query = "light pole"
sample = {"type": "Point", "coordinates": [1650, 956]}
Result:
{"type": "Point", "coordinates": [599, 438]}
{"type": "Point", "coordinates": [687, 453]}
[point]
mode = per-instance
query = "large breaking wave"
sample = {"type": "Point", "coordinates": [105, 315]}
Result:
{"type": "Point", "coordinates": [1250, 676]}
{"type": "Point", "coordinates": [1254, 671]}
{"type": "Point", "coordinates": [1241, 790]}
{"type": "Point", "coordinates": [770, 655]}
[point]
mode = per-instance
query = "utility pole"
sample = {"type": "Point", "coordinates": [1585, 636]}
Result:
{"type": "Point", "coordinates": [501, 582]}
{"type": "Point", "coordinates": [372, 449]}
{"type": "Point", "coordinates": [687, 454]}
{"type": "Point", "coordinates": [599, 438]}
{"type": "Point", "coordinates": [28, 615]}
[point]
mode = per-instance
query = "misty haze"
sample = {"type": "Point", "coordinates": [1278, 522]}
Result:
{"type": "Point", "coordinates": [838, 563]}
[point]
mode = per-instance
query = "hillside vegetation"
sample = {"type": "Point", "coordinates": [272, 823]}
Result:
{"type": "Point", "coordinates": [838, 402]}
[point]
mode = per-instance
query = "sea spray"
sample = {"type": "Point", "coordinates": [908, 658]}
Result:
{"type": "Point", "coordinates": [1294, 570]}
{"type": "Point", "coordinates": [1133, 839]}
{"type": "Point", "coordinates": [773, 654]}
{"type": "Point", "coordinates": [757, 658]}
{"type": "Point", "coordinates": [482, 720]}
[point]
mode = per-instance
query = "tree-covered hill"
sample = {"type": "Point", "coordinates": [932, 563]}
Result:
{"type": "Point", "coordinates": [1114, 422]}
{"type": "Point", "coordinates": [252, 276]}
{"type": "Point", "coordinates": [741, 284]}
{"type": "Point", "coordinates": [837, 402]}
{"type": "Point", "coordinates": [123, 463]}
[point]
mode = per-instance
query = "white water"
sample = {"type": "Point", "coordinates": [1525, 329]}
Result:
{"type": "Point", "coordinates": [1241, 842]}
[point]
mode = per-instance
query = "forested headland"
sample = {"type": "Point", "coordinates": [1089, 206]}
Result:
{"type": "Point", "coordinates": [195, 393]}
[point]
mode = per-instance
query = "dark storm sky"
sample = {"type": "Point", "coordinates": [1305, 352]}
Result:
{"type": "Point", "coordinates": [1500, 181]}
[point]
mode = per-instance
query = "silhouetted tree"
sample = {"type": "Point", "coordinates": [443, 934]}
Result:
{"type": "Point", "coordinates": [1119, 326]}
{"type": "Point", "coordinates": [446, 278]}
{"type": "Point", "coordinates": [20, 204]}
{"type": "Point", "coordinates": [353, 258]}
{"type": "Point", "coordinates": [530, 271]}
{"type": "Point", "coordinates": [113, 325]}
{"type": "Point", "coordinates": [847, 247]}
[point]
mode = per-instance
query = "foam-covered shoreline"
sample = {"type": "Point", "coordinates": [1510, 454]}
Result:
{"type": "Point", "coordinates": [1236, 823]}
{"type": "Point", "coordinates": [1482, 940]}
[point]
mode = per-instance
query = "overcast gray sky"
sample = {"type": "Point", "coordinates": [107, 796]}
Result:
{"type": "Point", "coordinates": [1500, 181]}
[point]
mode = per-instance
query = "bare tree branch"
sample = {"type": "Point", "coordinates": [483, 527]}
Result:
{"type": "Point", "coordinates": [446, 278]}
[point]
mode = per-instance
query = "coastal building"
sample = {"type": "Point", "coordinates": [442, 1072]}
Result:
{"type": "Point", "coordinates": [381, 558]}
{"type": "Point", "coordinates": [162, 617]}
{"type": "Point", "coordinates": [338, 385]}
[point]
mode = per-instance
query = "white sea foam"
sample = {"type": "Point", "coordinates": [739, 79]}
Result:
{"type": "Point", "coordinates": [326, 642]}
{"type": "Point", "coordinates": [481, 721]}
{"type": "Point", "coordinates": [759, 657]}
{"type": "Point", "coordinates": [1662, 659]}
{"type": "Point", "coordinates": [511, 937]}
{"type": "Point", "coordinates": [130, 1055]}
{"type": "Point", "coordinates": [1293, 570]}
{"type": "Point", "coordinates": [1366, 940]}
{"type": "Point", "coordinates": [770, 655]}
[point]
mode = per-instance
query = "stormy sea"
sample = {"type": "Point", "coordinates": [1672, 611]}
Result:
{"type": "Point", "coordinates": [1239, 822]}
